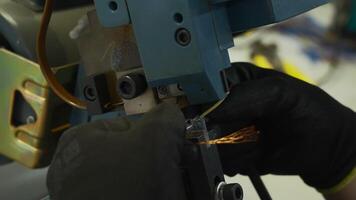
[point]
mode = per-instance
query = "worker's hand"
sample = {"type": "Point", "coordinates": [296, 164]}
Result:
{"type": "Point", "coordinates": [304, 131]}
{"type": "Point", "coordinates": [121, 159]}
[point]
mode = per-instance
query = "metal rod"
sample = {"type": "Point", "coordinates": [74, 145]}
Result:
{"type": "Point", "coordinates": [259, 185]}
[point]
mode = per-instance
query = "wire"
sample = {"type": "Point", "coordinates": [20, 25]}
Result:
{"type": "Point", "coordinates": [212, 108]}
{"type": "Point", "coordinates": [47, 72]}
{"type": "Point", "coordinates": [248, 134]}
{"type": "Point", "coordinates": [245, 135]}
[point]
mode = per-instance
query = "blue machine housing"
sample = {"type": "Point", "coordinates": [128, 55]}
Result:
{"type": "Point", "coordinates": [196, 67]}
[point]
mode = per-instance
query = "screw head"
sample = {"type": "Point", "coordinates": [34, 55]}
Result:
{"type": "Point", "coordinates": [183, 37]}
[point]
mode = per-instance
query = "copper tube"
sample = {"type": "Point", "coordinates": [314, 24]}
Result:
{"type": "Point", "coordinates": [55, 85]}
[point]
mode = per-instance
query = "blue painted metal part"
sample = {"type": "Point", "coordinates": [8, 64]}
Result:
{"type": "Point", "coordinates": [196, 67]}
{"type": "Point", "coordinates": [112, 13]}
{"type": "Point", "coordinates": [80, 116]}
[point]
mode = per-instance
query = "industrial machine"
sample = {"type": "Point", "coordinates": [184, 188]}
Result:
{"type": "Point", "coordinates": [123, 57]}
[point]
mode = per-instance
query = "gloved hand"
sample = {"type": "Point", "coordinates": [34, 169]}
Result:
{"type": "Point", "coordinates": [121, 159]}
{"type": "Point", "coordinates": [304, 131]}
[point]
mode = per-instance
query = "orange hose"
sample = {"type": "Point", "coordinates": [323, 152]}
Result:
{"type": "Point", "coordinates": [47, 72]}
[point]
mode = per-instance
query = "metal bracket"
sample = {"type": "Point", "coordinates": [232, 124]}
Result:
{"type": "Point", "coordinates": [203, 172]}
{"type": "Point", "coordinates": [28, 129]}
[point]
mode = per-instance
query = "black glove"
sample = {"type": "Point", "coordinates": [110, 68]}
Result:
{"type": "Point", "coordinates": [121, 159]}
{"type": "Point", "coordinates": [304, 131]}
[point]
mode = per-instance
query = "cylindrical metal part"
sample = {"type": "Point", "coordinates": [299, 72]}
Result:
{"type": "Point", "coordinates": [229, 191]}
{"type": "Point", "coordinates": [131, 86]}
{"type": "Point", "coordinates": [183, 37]}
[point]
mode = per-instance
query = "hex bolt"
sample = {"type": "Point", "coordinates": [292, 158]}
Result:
{"type": "Point", "coordinates": [183, 37]}
{"type": "Point", "coordinates": [131, 86]}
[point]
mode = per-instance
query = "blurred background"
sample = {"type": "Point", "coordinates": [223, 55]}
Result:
{"type": "Point", "coordinates": [318, 47]}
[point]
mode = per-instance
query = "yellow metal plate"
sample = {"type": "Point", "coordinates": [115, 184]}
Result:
{"type": "Point", "coordinates": [32, 144]}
